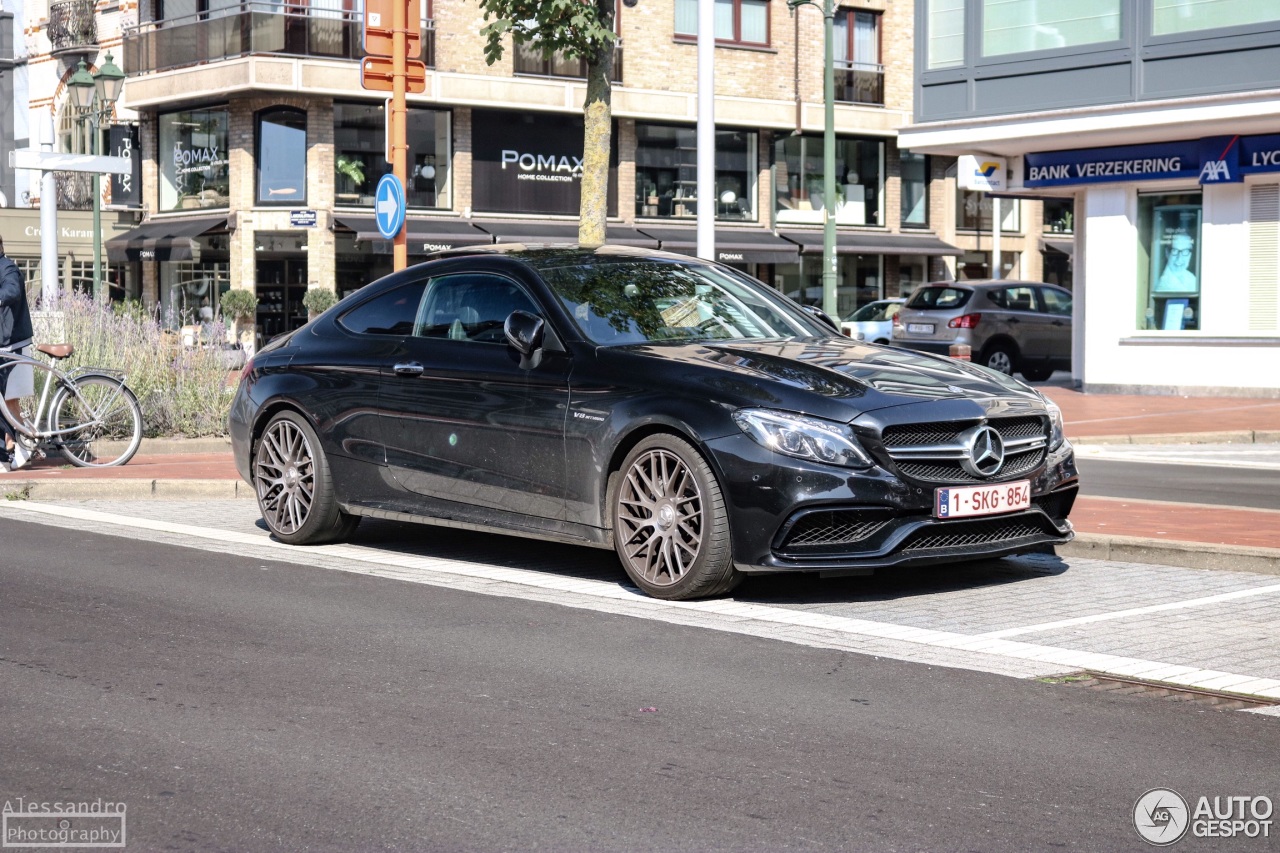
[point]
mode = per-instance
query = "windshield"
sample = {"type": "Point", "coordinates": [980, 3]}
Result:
{"type": "Point", "coordinates": [874, 313]}
{"type": "Point", "coordinates": [940, 297]}
{"type": "Point", "coordinates": [639, 301]}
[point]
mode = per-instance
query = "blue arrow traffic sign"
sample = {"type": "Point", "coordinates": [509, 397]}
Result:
{"type": "Point", "coordinates": [388, 206]}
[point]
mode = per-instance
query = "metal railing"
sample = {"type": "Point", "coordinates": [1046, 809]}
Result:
{"type": "Point", "coordinates": [251, 29]}
{"type": "Point", "coordinates": [529, 61]}
{"type": "Point", "coordinates": [859, 82]}
{"type": "Point", "coordinates": [72, 25]}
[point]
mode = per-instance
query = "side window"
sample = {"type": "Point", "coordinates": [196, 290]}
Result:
{"type": "Point", "coordinates": [470, 307]}
{"type": "Point", "coordinates": [392, 313]}
{"type": "Point", "coordinates": [1019, 298]}
{"type": "Point", "coordinates": [1056, 302]}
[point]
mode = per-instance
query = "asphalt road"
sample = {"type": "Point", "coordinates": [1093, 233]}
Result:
{"type": "Point", "coordinates": [236, 704]}
{"type": "Point", "coordinates": [1202, 484]}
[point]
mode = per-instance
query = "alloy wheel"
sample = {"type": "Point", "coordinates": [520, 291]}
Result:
{"type": "Point", "coordinates": [660, 515]}
{"type": "Point", "coordinates": [284, 473]}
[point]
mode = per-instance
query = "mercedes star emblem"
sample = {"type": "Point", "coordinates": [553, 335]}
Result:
{"type": "Point", "coordinates": [986, 451]}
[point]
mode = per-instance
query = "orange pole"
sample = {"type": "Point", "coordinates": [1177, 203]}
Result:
{"type": "Point", "coordinates": [397, 121]}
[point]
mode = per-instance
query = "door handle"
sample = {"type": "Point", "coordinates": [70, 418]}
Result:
{"type": "Point", "coordinates": [410, 368]}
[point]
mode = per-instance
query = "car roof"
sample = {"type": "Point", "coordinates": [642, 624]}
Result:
{"type": "Point", "coordinates": [541, 253]}
{"type": "Point", "coordinates": [989, 282]}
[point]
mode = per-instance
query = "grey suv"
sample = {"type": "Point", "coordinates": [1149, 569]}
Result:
{"type": "Point", "coordinates": [1020, 326]}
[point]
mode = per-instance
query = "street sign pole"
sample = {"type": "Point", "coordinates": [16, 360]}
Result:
{"type": "Point", "coordinates": [399, 143]}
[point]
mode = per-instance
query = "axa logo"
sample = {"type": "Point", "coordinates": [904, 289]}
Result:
{"type": "Point", "coordinates": [1214, 171]}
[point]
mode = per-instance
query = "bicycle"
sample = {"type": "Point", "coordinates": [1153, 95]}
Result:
{"type": "Point", "coordinates": [87, 414]}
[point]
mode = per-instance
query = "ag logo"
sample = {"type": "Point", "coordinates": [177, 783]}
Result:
{"type": "Point", "coordinates": [1161, 816]}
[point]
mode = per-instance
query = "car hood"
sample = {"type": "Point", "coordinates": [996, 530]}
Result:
{"type": "Point", "coordinates": [831, 377]}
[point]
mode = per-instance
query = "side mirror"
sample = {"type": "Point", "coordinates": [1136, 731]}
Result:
{"type": "Point", "coordinates": [524, 332]}
{"type": "Point", "coordinates": [822, 317]}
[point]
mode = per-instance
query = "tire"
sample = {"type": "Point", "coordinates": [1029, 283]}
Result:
{"type": "Point", "coordinates": [670, 525]}
{"type": "Point", "coordinates": [114, 439]}
{"type": "Point", "coordinates": [1036, 374]}
{"type": "Point", "coordinates": [294, 486]}
{"type": "Point", "coordinates": [1002, 358]}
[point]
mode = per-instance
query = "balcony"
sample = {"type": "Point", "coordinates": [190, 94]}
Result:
{"type": "Point", "coordinates": [73, 27]}
{"type": "Point", "coordinates": [251, 29]}
{"type": "Point", "coordinates": [530, 62]}
{"type": "Point", "coordinates": [859, 83]}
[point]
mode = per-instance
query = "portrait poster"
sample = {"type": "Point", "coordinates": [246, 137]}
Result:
{"type": "Point", "coordinates": [1175, 250]}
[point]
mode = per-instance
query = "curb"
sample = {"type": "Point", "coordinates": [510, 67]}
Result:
{"type": "Point", "coordinates": [1187, 555]}
{"type": "Point", "coordinates": [125, 490]}
{"type": "Point", "coordinates": [1236, 436]}
{"type": "Point", "coordinates": [173, 446]}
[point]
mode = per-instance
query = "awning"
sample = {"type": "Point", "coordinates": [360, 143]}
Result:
{"type": "Point", "coordinates": [525, 231]}
{"type": "Point", "coordinates": [162, 240]}
{"type": "Point", "coordinates": [1057, 244]}
{"type": "Point", "coordinates": [423, 234]}
{"type": "Point", "coordinates": [733, 245]}
{"type": "Point", "coordinates": [873, 243]}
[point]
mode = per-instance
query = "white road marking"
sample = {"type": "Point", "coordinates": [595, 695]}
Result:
{"type": "Point", "coordinates": [1135, 611]}
{"type": "Point", "coordinates": [985, 653]}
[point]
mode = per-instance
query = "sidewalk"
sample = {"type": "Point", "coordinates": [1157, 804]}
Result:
{"type": "Point", "coordinates": [1176, 534]}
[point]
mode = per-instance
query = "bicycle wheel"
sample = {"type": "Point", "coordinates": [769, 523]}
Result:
{"type": "Point", "coordinates": [104, 422]}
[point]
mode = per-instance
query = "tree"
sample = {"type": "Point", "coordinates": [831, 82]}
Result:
{"type": "Point", "coordinates": [576, 29]}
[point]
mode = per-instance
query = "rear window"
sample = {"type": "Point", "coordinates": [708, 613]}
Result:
{"type": "Point", "coordinates": [940, 297]}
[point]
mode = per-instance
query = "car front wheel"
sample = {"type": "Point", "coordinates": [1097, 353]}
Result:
{"type": "Point", "coordinates": [294, 486]}
{"type": "Point", "coordinates": [1000, 357]}
{"type": "Point", "coordinates": [670, 525]}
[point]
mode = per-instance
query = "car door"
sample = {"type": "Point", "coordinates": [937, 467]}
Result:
{"type": "Point", "coordinates": [1057, 306]}
{"type": "Point", "coordinates": [466, 424]}
{"type": "Point", "coordinates": [1027, 324]}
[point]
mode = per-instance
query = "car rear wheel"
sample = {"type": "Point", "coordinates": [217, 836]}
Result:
{"type": "Point", "coordinates": [1036, 374]}
{"type": "Point", "coordinates": [1001, 357]}
{"type": "Point", "coordinates": [670, 525]}
{"type": "Point", "coordinates": [294, 486]}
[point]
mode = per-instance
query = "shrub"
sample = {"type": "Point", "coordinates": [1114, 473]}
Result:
{"type": "Point", "coordinates": [183, 391]}
{"type": "Point", "coordinates": [318, 300]}
{"type": "Point", "coordinates": [239, 304]}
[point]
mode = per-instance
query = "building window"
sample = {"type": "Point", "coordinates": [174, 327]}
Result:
{"type": "Point", "coordinates": [1059, 215]}
{"type": "Point", "coordinates": [359, 137]}
{"type": "Point", "coordinates": [859, 74]}
{"type": "Point", "coordinates": [975, 266]}
{"type": "Point", "coordinates": [799, 184]}
{"type": "Point", "coordinates": [859, 281]}
{"type": "Point", "coordinates": [915, 188]}
{"type": "Point", "coordinates": [1022, 26]}
{"type": "Point", "coordinates": [1169, 262]}
{"type": "Point", "coordinates": [190, 291]}
{"type": "Point", "coordinates": [1184, 16]}
{"type": "Point", "coordinates": [282, 156]}
{"type": "Point", "coordinates": [973, 212]}
{"type": "Point", "coordinates": [667, 172]}
{"type": "Point", "coordinates": [737, 21]}
{"type": "Point", "coordinates": [945, 43]}
{"type": "Point", "coordinates": [194, 169]}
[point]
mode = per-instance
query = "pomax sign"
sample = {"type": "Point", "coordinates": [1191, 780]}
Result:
{"type": "Point", "coordinates": [982, 172]}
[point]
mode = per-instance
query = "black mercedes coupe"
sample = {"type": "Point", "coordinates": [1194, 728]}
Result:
{"type": "Point", "coordinates": [701, 424]}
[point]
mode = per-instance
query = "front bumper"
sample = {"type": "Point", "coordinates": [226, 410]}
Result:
{"type": "Point", "coordinates": [789, 515]}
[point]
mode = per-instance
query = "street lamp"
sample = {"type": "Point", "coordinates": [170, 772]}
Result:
{"type": "Point", "coordinates": [828, 8]}
{"type": "Point", "coordinates": [94, 97]}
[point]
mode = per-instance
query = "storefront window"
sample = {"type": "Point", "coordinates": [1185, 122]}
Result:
{"type": "Point", "coordinates": [915, 188]}
{"type": "Point", "coordinates": [799, 180]}
{"type": "Point", "coordinates": [282, 156]}
{"type": "Point", "coordinates": [1059, 215]}
{"type": "Point", "coordinates": [859, 281]}
{"type": "Point", "coordinates": [973, 212]}
{"type": "Point", "coordinates": [359, 137]}
{"type": "Point", "coordinates": [913, 271]}
{"type": "Point", "coordinates": [193, 159]}
{"type": "Point", "coordinates": [190, 291]}
{"type": "Point", "coordinates": [1169, 262]}
{"type": "Point", "coordinates": [1021, 26]}
{"type": "Point", "coordinates": [1185, 16]}
{"type": "Point", "coordinates": [667, 172]}
{"type": "Point", "coordinates": [973, 266]}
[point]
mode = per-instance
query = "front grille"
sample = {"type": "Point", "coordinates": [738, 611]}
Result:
{"type": "Point", "coordinates": [833, 527]}
{"type": "Point", "coordinates": [932, 452]}
{"type": "Point", "coordinates": [966, 534]}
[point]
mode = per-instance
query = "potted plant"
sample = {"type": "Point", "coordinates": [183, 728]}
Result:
{"type": "Point", "coordinates": [351, 171]}
{"type": "Point", "coordinates": [318, 300]}
{"type": "Point", "coordinates": [242, 307]}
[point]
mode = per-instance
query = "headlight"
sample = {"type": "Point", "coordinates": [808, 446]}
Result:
{"type": "Point", "coordinates": [803, 437]}
{"type": "Point", "coordinates": [1056, 433]}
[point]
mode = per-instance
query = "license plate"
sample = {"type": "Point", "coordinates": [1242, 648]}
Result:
{"type": "Point", "coordinates": [982, 500]}
{"type": "Point", "coordinates": [920, 328]}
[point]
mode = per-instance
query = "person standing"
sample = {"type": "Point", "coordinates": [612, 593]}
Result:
{"type": "Point", "coordinates": [15, 336]}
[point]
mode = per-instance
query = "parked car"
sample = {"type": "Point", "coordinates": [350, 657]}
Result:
{"type": "Point", "coordinates": [678, 411]}
{"type": "Point", "coordinates": [1012, 326]}
{"type": "Point", "coordinates": [873, 321]}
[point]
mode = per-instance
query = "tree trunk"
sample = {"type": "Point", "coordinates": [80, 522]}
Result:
{"type": "Point", "coordinates": [597, 132]}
